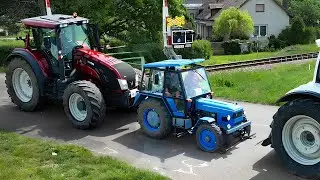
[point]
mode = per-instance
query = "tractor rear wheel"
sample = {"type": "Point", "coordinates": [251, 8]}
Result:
{"type": "Point", "coordinates": [154, 118]}
{"type": "Point", "coordinates": [84, 104]}
{"type": "Point", "coordinates": [22, 85]}
{"type": "Point", "coordinates": [296, 136]}
{"type": "Point", "coordinates": [209, 137]}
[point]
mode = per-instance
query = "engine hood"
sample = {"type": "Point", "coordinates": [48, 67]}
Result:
{"type": "Point", "coordinates": [122, 70]}
{"type": "Point", "coordinates": [210, 105]}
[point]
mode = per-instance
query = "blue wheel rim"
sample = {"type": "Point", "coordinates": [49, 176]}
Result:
{"type": "Point", "coordinates": [207, 140]}
{"type": "Point", "coordinates": [151, 120]}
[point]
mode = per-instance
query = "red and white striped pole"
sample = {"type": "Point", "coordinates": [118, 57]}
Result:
{"type": "Point", "coordinates": [165, 31]}
{"type": "Point", "coordinates": [48, 8]}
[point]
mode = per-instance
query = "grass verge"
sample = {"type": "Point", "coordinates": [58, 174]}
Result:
{"type": "Point", "coordinates": [26, 158]}
{"type": "Point", "coordinates": [261, 86]}
{"type": "Point", "coordinates": [297, 49]}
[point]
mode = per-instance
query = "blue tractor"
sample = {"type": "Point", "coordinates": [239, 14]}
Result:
{"type": "Point", "coordinates": [176, 97]}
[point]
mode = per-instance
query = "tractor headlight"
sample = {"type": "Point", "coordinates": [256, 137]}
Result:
{"type": "Point", "coordinates": [228, 117]}
{"type": "Point", "coordinates": [123, 84]}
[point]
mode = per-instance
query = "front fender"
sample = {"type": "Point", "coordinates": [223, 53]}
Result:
{"type": "Point", "coordinates": [203, 120]}
{"type": "Point", "coordinates": [33, 63]}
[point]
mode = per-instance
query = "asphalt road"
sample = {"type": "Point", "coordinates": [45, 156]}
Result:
{"type": "Point", "coordinates": [177, 158]}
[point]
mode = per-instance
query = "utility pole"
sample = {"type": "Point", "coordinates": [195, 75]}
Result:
{"type": "Point", "coordinates": [166, 32]}
{"type": "Point", "coordinates": [48, 7]}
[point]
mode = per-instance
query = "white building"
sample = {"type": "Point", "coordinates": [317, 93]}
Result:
{"type": "Point", "coordinates": [269, 17]}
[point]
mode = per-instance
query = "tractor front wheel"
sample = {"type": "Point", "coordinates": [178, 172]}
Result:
{"type": "Point", "coordinates": [209, 137]}
{"type": "Point", "coordinates": [296, 136]}
{"type": "Point", "coordinates": [154, 118]}
{"type": "Point", "coordinates": [22, 85]}
{"type": "Point", "coordinates": [84, 104]}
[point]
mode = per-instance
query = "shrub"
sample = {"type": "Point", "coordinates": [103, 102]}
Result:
{"type": "Point", "coordinates": [298, 33]}
{"type": "Point", "coordinates": [6, 47]}
{"type": "Point", "coordinates": [236, 46]}
{"type": "Point", "coordinates": [200, 49]}
{"type": "Point", "coordinates": [275, 43]}
{"type": "Point", "coordinates": [232, 47]}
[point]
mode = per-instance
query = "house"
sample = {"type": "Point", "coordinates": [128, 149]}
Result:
{"type": "Point", "coordinates": [269, 17]}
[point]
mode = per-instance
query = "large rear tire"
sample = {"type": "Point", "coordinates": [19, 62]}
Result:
{"type": "Point", "coordinates": [22, 85]}
{"type": "Point", "coordinates": [154, 118]}
{"type": "Point", "coordinates": [296, 137]}
{"type": "Point", "coordinates": [84, 104]}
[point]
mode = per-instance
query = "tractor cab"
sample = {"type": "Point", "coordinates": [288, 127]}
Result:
{"type": "Point", "coordinates": [56, 37]}
{"type": "Point", "coordinates": [178, 81]}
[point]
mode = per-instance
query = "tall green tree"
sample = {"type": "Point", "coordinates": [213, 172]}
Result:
{"type": "Point", "coordinates": [12, 12]}
{"type": "Point", "coordinates": [233, 23]}
{"type": "Point", "coordinates": [308, 10]}
{"type": "Point", "coordinates": [133, 21]}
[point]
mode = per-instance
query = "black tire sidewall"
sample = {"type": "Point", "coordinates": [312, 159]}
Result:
{"type": "Point", "coordinates": [75, 89]}
{"type": "Point", "coordinates": [35, 100]}
{"type": "Point", "coordinates": [305, 107]}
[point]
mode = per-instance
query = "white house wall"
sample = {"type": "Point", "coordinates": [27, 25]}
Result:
{"type": "Point", "coordinates": [274, 17]}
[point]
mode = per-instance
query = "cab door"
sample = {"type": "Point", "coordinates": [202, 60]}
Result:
{"type": "Point", "coordinates": [173, 94]}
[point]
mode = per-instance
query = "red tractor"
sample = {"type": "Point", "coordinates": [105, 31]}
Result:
{"type": "Point", "coordinates": [62, 60]}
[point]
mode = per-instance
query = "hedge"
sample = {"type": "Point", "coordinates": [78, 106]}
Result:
{"type": "Point", "coordinates": [199, 49]}
{"type": "Point", "coordinates": [6, 47]}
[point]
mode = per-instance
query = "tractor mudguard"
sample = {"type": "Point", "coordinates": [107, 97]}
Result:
{"type": "Point", "coordinates": [309, 90]}
{"type": "Point", "coordinates": [33, 63]}
{"type": "Point", "coordinates": [138, 99]}
{"type": "Point", "coordinates": [203, 120]}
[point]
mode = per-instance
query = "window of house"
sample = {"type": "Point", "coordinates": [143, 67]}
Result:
{"type": "Point", "coordinates": [260, 30]}
{"type": "Point", "coordinates": [259, 7]}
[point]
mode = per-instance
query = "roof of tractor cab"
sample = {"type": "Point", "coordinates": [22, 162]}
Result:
{"type": "Point", "coordinates": [173, 63]}
{"type": "Point", "coordinates": [52, 21]}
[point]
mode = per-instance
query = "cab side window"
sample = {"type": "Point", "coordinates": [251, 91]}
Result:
{"type": "Point", "coordinates": [172, 86]}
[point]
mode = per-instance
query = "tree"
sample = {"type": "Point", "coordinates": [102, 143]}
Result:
{"type": "Point", "coordinates": [11, 13]}
{"type": "Point", "coordinates": [133, 21]}
{"type": "Point", "coordinates": [308, 10]}
{"type": "Point", "coordinates": [233, 23]}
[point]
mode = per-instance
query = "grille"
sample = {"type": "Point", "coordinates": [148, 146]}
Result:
{"type": "Point", "coordinates": [237, 114]}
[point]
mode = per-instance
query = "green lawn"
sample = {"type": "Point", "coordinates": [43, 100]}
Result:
{"type": "Point", "coordinates": [26, 158]}
{"type": "Point", "coordinates": [297, 49]}
{"type": "Point", "coordinates": [261, 86]}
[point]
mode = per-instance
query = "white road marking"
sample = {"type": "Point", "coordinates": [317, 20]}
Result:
{"type": "Point", "coordinates": [112, 151]}
{"type": "Point", "coordinates": [190, 167]}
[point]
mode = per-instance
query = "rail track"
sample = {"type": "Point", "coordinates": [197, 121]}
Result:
{"type": "Point", "coordinates": [258, 62]}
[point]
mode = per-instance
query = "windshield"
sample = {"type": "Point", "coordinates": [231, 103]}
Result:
{"type": "Point", "coordinates": [195, 82]}
{"type": "Point", "coordinates": [72, 36]}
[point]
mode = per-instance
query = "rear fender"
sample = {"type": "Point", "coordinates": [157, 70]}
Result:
{"type": "Point", "coordinates": [141, 96]}
{"type": "Point", "coordinates": [299, 95]}
{"type": "Point", "coordinates": [203, 120]}
{"type": "Point", "coordinates": [33, 63]}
